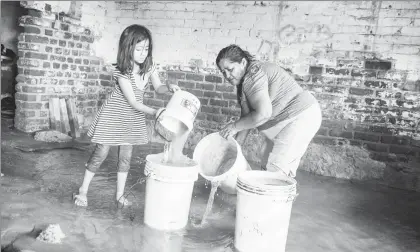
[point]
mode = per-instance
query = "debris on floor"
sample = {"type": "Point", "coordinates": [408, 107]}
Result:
{"type": "Point", "coordinates": [52, 234]}
{"type": "Point", "coordinates": [51, 136]}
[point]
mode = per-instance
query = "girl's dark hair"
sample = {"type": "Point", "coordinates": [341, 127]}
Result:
{"type": "Point", "coordinates": [235, 54]}
{"type": "Point", "coordinates": [132, 35]}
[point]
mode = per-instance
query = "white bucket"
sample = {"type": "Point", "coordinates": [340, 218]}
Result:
{"type": "Point", "coordinates": [179, 115]}
{"type": "Point", "coordinates": [169, 190]}
{"type": "Point", "coordinates": [211, 154]}
{"type": "Point", "coordinates": [263, 209]}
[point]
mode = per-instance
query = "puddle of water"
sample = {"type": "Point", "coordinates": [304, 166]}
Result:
{"type": "Point", "coordinates": [44, 197]}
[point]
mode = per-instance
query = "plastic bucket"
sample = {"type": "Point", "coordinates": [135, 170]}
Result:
{"type": "Point", "coordinates": [263, 209]}
{"type": "Point", "coordinates": [179, 115]}
{"type": "Point", "coordinates": [220, 160]}
{"type": "Point", "coordinates": [169, 190]}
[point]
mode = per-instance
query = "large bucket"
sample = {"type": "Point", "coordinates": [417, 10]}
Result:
{"type": "Point", "coordinates": [220, 160]}
{"type": "Point", "coordinates": [263, 209]}
{"type": "Point", "coordinates": [169, 190]}
{"type": "Point", "coordinates": [179, 115]}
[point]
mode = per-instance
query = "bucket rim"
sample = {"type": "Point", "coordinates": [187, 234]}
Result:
{"type": "Point", "coordinates": [200, 145]}
{"type": "Point", "coordinates": [246, 181]}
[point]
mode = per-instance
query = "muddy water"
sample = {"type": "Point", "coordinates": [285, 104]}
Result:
{"type": "Point", "coordinates": [37, 190]}
{"type": "Point", "coordinates": [328, 215]}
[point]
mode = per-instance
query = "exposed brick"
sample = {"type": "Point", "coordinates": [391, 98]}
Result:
{"type": "Point", "coordinates": [213, 79]}
{"type": "Point", "coordinates": [105, 77]}
{"type": "Point", "coordinates": [315, 70]}
{"type": "Point", "coordinates": [32, 89]}
{"type": "Point", "coordinates": [25, 97]}
{"type": "Point", "coordinates": [85, 69]}
{"type": "Point", "coordinates": [366, 137]}
{"type": "Point", "coordinates": [207, 109]}
{"type": "Point", "coordinates": [31, 29]}
{"type": "Point", "coordinates": [212, 94]}
{"type": "Point", "coordinates": [231, 112]}
{"type": "Point", "coordinates": [153, 102]}
{"type": "Point", "coordinates": [198, 93]}
{"type": "Point", "coordinates": [36, 39]}
{"type": "Point", "coordinates": [56, 65]}
{"type": "Point", "coordinates": [87, 39]}
{"type": "Point", "coordinates": [230, 96]}
{"type": "Point", "coordinates": [365, 73]}
{"type": "Point", "coordinates": [220, 103]}
{"type": "Point", "coordinates": [338, 71]}
{"type": "Point", "coordinates": [376, 84]}
{"type": "Point", "coordinates": [58, 58]}
{"type": "Point", "coordinates": [26, 113]}
{"type": "Point", "coordinates": [53, 41]}
{"type": "Point", "coordinates": [195, 77]}
{"type": "Point", "coordinates": [209, 87]}
{"type": "Point", "coordinates": [46, 65]}
{"type": "Point", "coordinates": [48, 32]}
{"type": "Point", "coordinates": [78, 61]}
{"type": "Point", "coordinates": [35, 55]}
{"type": "Point", "coordinates": [204, 101]}
{"type": "Point", "coordinates": [75, 52]}
{"type": "Point", "coordinates": [76, 37]}
{"type": "Point", "coordinates": [216, 118]}
{"type": "Point", "coordinates": [92, 76]}
{"type": "Point", "coordinates": [360, 91]}
{"type": "Point", "coordinates": [323, 80]}
{"type": "Point", "coordinates": [64, 66]}
{"type": "Point", "coordinates": [28, 105]}
{"type": "Point", "coordinates": [28, 62]}
{"type": "Point", "coordinates": [378, 64]}
{"type": "Point", "coordinates": [186, 84]}
{"type": "Point", "coordinates": [62, 43]}
{"type": "Point", "coordinates": [375, 102]}
{"type": "Point", "coordinates": [34, 72]}
{"type": "Point", "coordinates": [64, 27]}
{"type": "Point", "coordinates": [70, 60]}
{"type": "Point", "coordinates": [176, 75]}
{"type": "Point", "coordinates": [105, 83]}
{"type": "Point", "coordinates": [224, 88]}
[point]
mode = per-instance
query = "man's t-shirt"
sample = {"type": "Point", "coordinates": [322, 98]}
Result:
{"type": "Point", "coordinates": [287, 97]}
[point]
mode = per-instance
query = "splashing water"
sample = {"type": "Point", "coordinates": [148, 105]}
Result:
{"type": "Point", "coordinates": [214, 186]}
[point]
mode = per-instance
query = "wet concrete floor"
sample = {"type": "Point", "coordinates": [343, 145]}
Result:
{"type": "Point", "coordinates": [328, 214]}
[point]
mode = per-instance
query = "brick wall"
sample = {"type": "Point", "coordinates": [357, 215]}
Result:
{"type": "Point", "coordinates": [56, 60]}
{"type": "Point", "coordinates": [359, 58]}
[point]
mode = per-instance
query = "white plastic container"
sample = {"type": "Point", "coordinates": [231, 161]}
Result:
{"type": "Point", "coordinates": [263, 209]}
{"type": "Point", "coordinates": [208, 153]}
{"type": "Point", "coordinates": [168, 193]}
{"type": "Point", "coordinates": [179, 115]}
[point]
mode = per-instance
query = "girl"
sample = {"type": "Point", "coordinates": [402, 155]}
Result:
{"type": "Point", "coordinates": [121, 119]}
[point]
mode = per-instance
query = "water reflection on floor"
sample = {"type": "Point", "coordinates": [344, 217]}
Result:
{"type": "Point", "coordinates": [328, 215]}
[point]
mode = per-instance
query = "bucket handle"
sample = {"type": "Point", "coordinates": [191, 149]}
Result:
{"type": "Point", "coordinates": [154, 126]}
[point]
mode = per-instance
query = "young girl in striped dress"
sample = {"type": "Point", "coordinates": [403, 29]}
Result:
{"type": "Point", "coordinates": [121, 119]}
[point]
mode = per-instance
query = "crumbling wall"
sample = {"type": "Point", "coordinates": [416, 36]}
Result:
{"type": "Point", "coordinates": [359, 58]}
{"type": "Point", "coordinates": [56, 60]}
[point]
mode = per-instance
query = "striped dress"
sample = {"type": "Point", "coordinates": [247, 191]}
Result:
{"type": "Point", "coordinates": [117, 123]}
